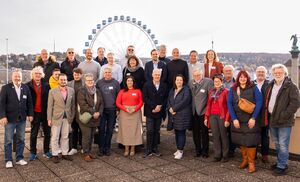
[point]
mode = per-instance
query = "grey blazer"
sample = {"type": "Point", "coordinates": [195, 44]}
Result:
{"type": "Point", "coordinates": [57, 106]}
{"type": "Point", "coordinates": [200, 92]}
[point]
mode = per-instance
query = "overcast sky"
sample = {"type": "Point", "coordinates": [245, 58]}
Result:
{"type": "Point", "coordinates": [234, 25]}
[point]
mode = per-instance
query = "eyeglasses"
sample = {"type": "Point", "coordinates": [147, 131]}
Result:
{"type": "Point", "coordinates": [130, 49]}
{"type": "Point", "coordinates": [70, 52]}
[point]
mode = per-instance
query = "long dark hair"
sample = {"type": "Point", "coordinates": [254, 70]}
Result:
{"type": "Point", "coordinates": [125, 83]}
{"type": "Point", "coordinates": [249, 83]}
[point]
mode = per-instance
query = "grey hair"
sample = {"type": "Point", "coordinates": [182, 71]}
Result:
{"type": "Point", "coordinates": [157, 70]}
{"type": "Point", "coordinates": [110, 53]}
{"type": "Point", "coordinates": [262, 67]}
{"type": "Point", "coordinates": [198, 70]}
{"type": "Point", "coordinates": [107, 68]}
{"type": "Point", "coordinates": [229, 66]}
{"type": "Point", "coordinates": [16, 70]}
{"type": "Point", "coordinates": [279, 66]}
{"type": "Point", "coordinates": [162, 46]}
{"type": "Point", "coordinates": [37, 69]}
{"type": "Point", "coordinates": [88, 75]}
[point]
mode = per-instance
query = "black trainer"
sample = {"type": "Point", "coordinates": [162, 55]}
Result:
{"type": "Point", "coordinates": [279, 172]}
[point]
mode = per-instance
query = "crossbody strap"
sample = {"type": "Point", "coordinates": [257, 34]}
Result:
{"type": "Point", "coordinates": [238, 92]}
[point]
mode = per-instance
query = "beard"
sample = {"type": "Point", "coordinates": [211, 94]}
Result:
{"type": "Point", "coordinates": [278, 80]}
{"type": "Point", "coordinates": [62, 84]}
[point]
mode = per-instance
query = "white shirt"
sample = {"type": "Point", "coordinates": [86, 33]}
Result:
{"type": "Point", "coordinates": [259, 85]}
{"type": "Point", "coordinates": [273, 97]}
{"type": "Point", "coordinates": [18, 91]}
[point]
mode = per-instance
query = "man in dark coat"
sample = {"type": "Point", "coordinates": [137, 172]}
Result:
{"type": "Point", "coordinates": [39, 91]}
{"type": "Point", "coordinates": [68, 65]}
{"type": "Point", "coordinates": [101, 59]}
{"type": "Point", "coordinates": [155, 98]}
{"type": "Point", "coordinates": [162, 54]}
{"type": "Point", "coordinates": [15, 106]}
{"type": "Point", "coordinates": [282, 102]}
{"type": "Point", "coordinates": [48, 63]}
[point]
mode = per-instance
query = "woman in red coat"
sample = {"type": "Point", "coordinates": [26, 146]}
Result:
{"type": "Point", "coordinates": [212, 66]}
{"type": "Point", "coordinates": [218, 116]}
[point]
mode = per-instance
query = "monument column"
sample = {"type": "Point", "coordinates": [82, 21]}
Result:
{"type": "Point", "coordinates": [295, 61]}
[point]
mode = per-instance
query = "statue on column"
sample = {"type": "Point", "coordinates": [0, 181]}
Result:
{"type": "Point", "coordinates": [295, 40]}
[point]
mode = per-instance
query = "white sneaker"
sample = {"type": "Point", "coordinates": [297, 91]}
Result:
{"type": "Point", "coordinates": [179, 154]}
{"type": "Point", "coordinates": [9, 164]}
{"type": "Point", "coordinates": [175, 153]}
{"type": "Point", "coordinates": [21, 162]}
{"type": "Point", "coordinates": [59, 151]}
{"type": "Point", "coordinates": [72, 152]}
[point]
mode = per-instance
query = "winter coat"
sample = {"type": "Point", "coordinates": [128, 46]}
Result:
{"type": "Point", "coordinates": [67, 69]}
{"type": "Point", "coordinates": [153, 97]}
{"type": "Point", "coordinates": [182, 105]}
{"type": "Point", "coordinates": [245, 136]}
{"type": "Point", "coordinates": [86, 103]}
{"type": "Point", "coordinates": [286, 105]}
{"type": "Point", "coordinates": [48, 68]}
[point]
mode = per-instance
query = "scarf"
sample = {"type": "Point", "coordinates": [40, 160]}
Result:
{"type": "Point", "coordinates": [133, 69]}
{"type": "Point", "coordinates": [216, 93]}
{"type": "Point", "coordinates": [91, 90]}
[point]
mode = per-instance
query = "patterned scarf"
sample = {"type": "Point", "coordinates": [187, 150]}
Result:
{"type": "Point", "coordinates": [216, 93]}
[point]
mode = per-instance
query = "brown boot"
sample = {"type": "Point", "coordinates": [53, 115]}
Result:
{"type": "Point", "coordinates": [126, 153]}
{"type": "Point", "coordinates": [244, 163]}
{"type": "Point", "coordinates": [251, 157]}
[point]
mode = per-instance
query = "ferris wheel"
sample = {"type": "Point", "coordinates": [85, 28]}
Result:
{"type": "Point", "coordinates": [117, 33]}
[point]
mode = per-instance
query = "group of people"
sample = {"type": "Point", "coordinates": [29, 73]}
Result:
{"type": "Point", "coordinates": [90, 95]}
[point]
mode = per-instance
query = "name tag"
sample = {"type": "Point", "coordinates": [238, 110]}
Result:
{"type": "Point", "coordinates": [202, 90]}
{"type": "Point", "coordinates": [110, 88]}
{"type": "Point", "coordinates": [134, 94]}
{"type": "Point", "coordinates": [213, 67]}
{"type": "Point", "coordinates": [128, 74]}
{"type": "Point", "coordinates": [24, 96]}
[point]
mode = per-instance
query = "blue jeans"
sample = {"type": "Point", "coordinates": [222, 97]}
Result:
{"type": "Point", "coordinates": [107, 124]}
{"type": "Point", "coordinates": [10, 127]}
{"type": "Point", "coordinates": [281, 137]}
{"type": "Point", "coordinates": [180, 139]}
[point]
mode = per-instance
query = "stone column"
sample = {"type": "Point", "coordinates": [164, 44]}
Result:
{"type": "Point", "coordinates": [295, 65]}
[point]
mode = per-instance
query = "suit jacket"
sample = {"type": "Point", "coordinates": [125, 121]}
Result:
{"type": "Point", "coordinates": [217, 68]}
{"type": "Point", "coordinates": [11, 107]}
{"type": "Point", "coordinates": [200, 92]}
{"type": "Point", "coordinates": [149, 69]}
{"type": "Point", "coordinates": [44, 97]}
{"type": "Point", "coordinates": [57, 107]}
{"type": "Point", "coordinates": [153, 97]}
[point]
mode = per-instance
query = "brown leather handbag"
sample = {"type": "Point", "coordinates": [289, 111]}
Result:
{"type": "Point", "coordinates": [244, 104]}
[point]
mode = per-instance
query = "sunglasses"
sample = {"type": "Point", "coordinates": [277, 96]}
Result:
{"type": "Point", "coordinates": [130, 49]}
{"type": "Point", "coordinates": [70, 52]}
